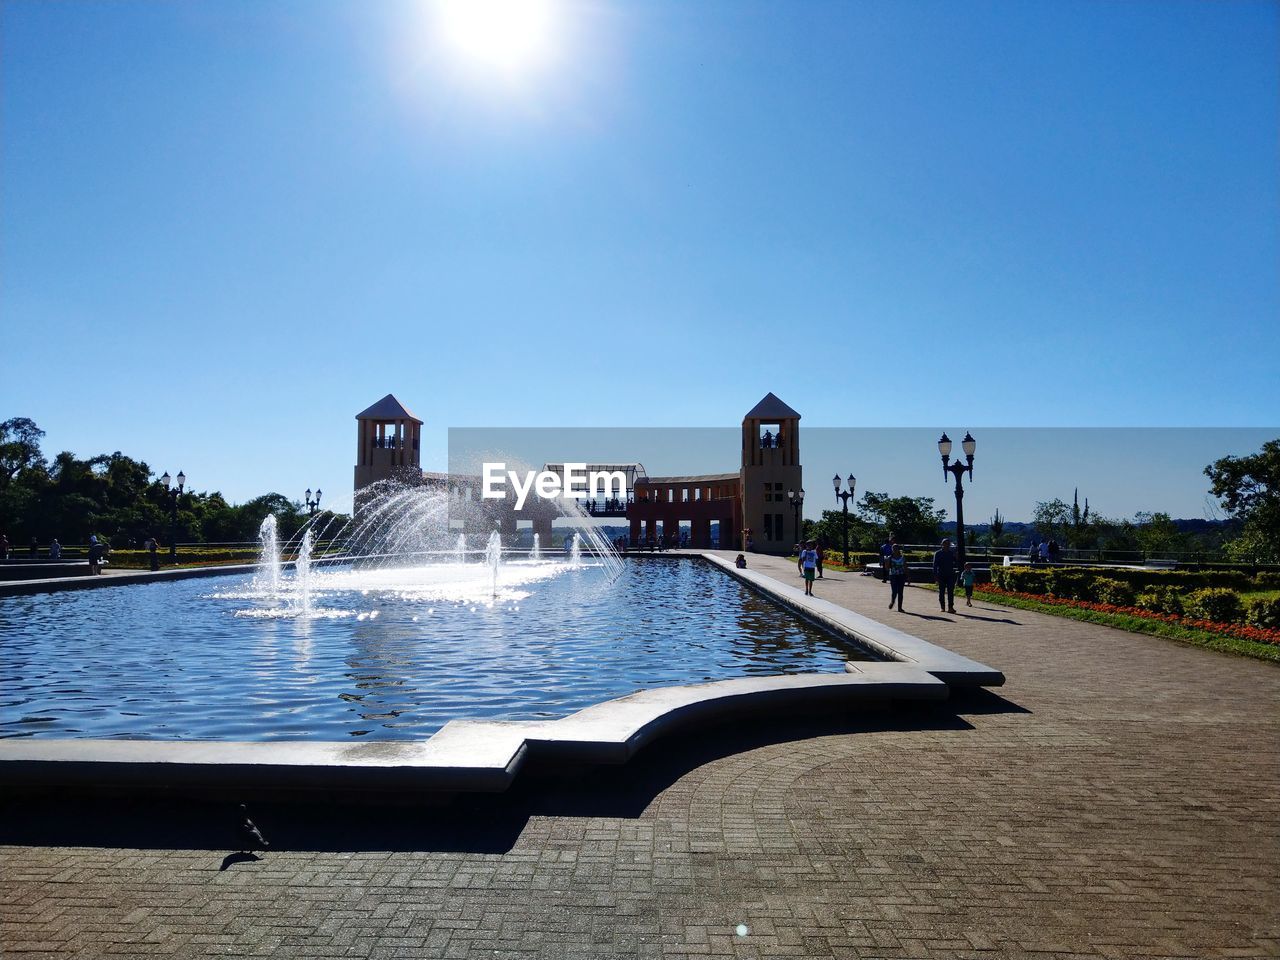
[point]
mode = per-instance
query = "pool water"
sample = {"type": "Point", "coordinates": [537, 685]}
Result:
{"type": "Point", "coordinates": [387, 655]}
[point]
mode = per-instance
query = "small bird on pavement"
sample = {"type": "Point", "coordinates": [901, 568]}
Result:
{"type": "Point", "coordinates": [251, 837]}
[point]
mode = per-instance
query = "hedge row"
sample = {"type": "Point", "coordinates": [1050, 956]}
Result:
{"type": "Point", "coordinates": [141, 559]}
{"type": "Point", "coordinates": [860, 558]}
{"type": "Point", "coordinates": [1170, 592]}
{"type": "Point", "coordinates": [1071, 581]}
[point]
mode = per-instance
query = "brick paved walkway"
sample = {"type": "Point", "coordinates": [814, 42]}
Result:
{"type": "Point", "coordinates": [1118, 799]}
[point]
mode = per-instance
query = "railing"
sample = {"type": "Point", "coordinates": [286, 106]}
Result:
{"type": "Point", "coordinates": [1075, 555]}
{"type": "Point", "coordinates": [607, 506]}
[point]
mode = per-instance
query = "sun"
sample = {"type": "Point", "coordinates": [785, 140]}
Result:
{"type": "Point", "coordinates": [510, 36]}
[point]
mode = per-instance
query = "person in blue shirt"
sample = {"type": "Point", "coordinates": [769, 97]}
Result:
{"type": "Point", "coordinates": [886, 551]}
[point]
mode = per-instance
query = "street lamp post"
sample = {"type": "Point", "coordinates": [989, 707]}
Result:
{"type": "Point", "coordinates": [312, 505]}
{"type": "Point", "coordinates": [174, 492]}
{"type": "Point", "coordinates": [797, 502]}
{"type": "Point", "coordinates": [968, 444]}
{"type": "Point", "coordinates": [844, 496]}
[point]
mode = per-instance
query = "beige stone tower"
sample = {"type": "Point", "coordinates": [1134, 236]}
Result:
{"type": "Point", "coordinates": [388, 446]}
{"type": "Point", "coordinates": [770, 471]}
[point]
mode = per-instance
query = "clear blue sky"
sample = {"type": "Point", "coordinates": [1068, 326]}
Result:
{"type": "Point", "coordinates": [225, 228]}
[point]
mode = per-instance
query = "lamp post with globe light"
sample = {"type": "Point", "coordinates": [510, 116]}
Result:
{"type": "Point", "coordinates": [312, 505]}
{"type": "Point", "coordinates": [958, 469]}
{"type": "Point", "coordinates": [845, 496]}
{"type": "Point", "coordinates": [174, 492]}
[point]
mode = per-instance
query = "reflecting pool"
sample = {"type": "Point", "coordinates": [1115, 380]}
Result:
{"type": "Point", "coordinates": [385, 654]}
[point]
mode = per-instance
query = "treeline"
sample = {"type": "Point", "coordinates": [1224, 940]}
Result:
{"type": "Point", "coordinates": [115, 498]}
{"type": "Point", "coordinates": [1247, 489]}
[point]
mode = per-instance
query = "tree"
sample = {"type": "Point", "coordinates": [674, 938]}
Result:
{"type": "Point", "coordinates": [1052, 520]}
{"type": "Point", "coordinates": [1156, 532]}
{"type": "Point", "coordinates": [1080, 535]}
{"type": "Point", "coordinates": [1249, 490]}
{"type": "Point", "coordinates": [909, 519]}
{"type": "Point", "coordinates": [996, 535]}
{"type": "Point", "coordinates": [830, 530]}
{"type": "Point", "coordinates": [114, 496]}
{"type": "Point", "coordinates": [19, 448]}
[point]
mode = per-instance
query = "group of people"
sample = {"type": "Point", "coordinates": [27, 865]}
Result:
{"type": "Point", "coordinates": [33, 548]}
{"type": "Point", "coordinates": [1046, 551]}
{"type": "Point", "coordinates": [608, 504]}
{"type": "Point", "coordinates": [945, 574]}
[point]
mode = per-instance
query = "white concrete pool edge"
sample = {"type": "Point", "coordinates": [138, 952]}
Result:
{"type": "Point", "coordinates": [464, 756]}
{"type": "Point", "coordinates": [887, 641]}
{"type": "Point", "coordinates": [486, 755]}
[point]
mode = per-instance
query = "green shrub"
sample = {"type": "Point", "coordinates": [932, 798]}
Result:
{"type": "Point", "coordinates": [1019, 579]}
{"type": "Point", "coordinates": [1263, 612]}
{"type": "Point", "coordinates": [1073, 581]}
{"type": "Point", "coordinates": [1214, 603]}
{"type": "Point", "coordinates": [857, 558]}
{"type": "Point", "coordinates": [1267, 581]}
{"type": "Point", "coordinates": [1070, 583]}
{"type": "Point", "coordinates": [1114, 592]}
{"type": "Point", "coordinates": [1160, 600]}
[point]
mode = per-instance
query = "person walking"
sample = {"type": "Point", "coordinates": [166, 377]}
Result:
{"type": "Point", "coordinates": [944, 573]}
{"type": "Point", "coordinates": [967, 578]}
{"type": "Point", "coordinates": [95, 556]}
{"type": "Point", "coordinates": [55, 549]}
{"type": "Point", "coordinates": [886, 551]}
{"type": "Point", "coordinates": [4, 547]}
{"type": "Point", "coordinates": [152, 546]}
{"type": "Point", "coordinates": [809, 567]}
{"type": "Point", "coordinates": [897, 577]}
{"type": "Point", "coordinates": [821, 548]}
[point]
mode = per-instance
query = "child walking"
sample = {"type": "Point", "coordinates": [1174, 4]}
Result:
{"type": "Point", "coordinates": [809, 567]}
{"type": "Point", "coordinates": [966, 580]}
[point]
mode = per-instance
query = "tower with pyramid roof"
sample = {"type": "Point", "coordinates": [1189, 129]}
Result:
{"type": "Point", "coordinates": [770, 472]}
{"type": "Point", "coordinates": [389, 439]}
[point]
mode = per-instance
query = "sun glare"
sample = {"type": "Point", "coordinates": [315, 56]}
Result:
{"type": "Point", "coordinates": [512, 36]}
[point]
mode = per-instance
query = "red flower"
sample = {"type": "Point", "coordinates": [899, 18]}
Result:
{"type": "Point", "coordinates": [1238, 630]}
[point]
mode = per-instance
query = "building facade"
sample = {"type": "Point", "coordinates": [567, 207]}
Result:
{"type": "Point", "coordinates": [749, 509]}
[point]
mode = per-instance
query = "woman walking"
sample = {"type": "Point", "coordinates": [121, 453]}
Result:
{"type": "Point", "coordinates": [897, 577]}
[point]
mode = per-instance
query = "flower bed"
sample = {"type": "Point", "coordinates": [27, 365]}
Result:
{"type": "Point", "coordinates": [1238, 631]}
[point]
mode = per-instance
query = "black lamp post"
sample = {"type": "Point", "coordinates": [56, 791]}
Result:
{"type": "Point", "coordinates": [968, 444]}
{"type": "Point", "coordinates": [844, 496]}
{"type": "Point", "coordinates": [174, 492]}
{"type": "Point", "coordinates": [312, 505]}
{"type": "Point", "coordinates": [797, 501]}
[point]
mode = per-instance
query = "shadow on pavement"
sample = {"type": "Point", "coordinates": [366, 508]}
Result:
{"type": "Point", "coordinates": [231, 859]}
{"type": "Point", "coordinates": [974, 616]}
{"type": "Point", "coordinates": [473, 823]}
{"type": "Point", "coordinates": [926, 616]}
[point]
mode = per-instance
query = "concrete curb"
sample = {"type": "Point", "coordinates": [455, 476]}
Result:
{"type": "Point", "coordinates": [483, 755]}
{"type": "Point", "coordinates": [19, 588]}
{"type": "Point", "coordinates": [465, 756]}
{"type": "Point", "coordinates": [889, 642]}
